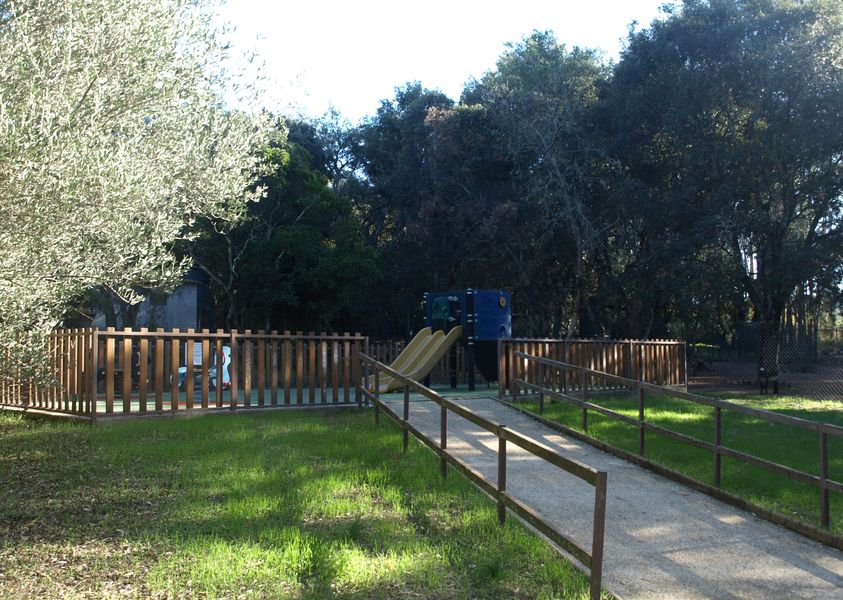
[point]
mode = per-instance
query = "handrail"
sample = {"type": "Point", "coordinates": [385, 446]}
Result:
{"type": "Point", "coordinates": [593, 560]}
{"type": "Point", "coordinates": [822, 482]}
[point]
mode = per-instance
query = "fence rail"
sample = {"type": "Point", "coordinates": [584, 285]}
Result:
{"type": "Point", "coordinates": [592, 560]}
{"type": "Point", "coordinates": [107, 373]}
{"type": "Point", "coordinates": [542, 386]}
{"type": "Point", "coordinates": [662, 362]}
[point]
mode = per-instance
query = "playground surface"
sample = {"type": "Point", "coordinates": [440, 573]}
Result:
{"type": "Point", "coordinates": [663, 540]}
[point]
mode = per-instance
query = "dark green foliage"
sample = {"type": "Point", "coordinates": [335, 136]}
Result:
{"type": "Point", "coordinates": [694, 185]}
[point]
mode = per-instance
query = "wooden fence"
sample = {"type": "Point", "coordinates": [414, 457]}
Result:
{"type": "Point", "coordinates": [106, 373]}
{"type": "Point", "coordinates": [660, 362]}
{"type": "Point", "coordinates": [540, 384]}
{"type": "Point", "coordinates": [592, 560]}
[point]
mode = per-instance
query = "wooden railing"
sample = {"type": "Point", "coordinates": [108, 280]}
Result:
{"type": "Point", "coordinates": [543, 386]}
{"type": "Point", "coordinates": [661, 362]}
{"type": "Point", "coordinates": [106, 373]}
{"type": "Point", "coordinates": [592, 560]}
{"type": "Point", "coordinates": [65, 388]}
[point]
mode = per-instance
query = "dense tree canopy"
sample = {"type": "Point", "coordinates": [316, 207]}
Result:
{"type": "Point", "coordinates": [693, 185]}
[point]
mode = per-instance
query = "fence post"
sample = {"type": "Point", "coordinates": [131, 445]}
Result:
{"type": "Point", "coordinates": [541, 387]}
{"type": "Point", "coordinates": [365, 369]}
{"type": "Point", "coordinates": [95, 342]}
{"type": "Point", "coordinates": [717, 441]}
{"type": "Point", "coordinates": [377, 397]}
{"type": "Point", "coordinates": [824, 508]}
{"type": "Point", "coordinates": [234, 374]}
{"type": "Point", "coordinates": [513, 384]}
{"type": "Point", "coordinates": [501, 474]}
{"type": "Point", "coordinates": [597, 536]}
{"type": "Point", "coordinates": [443, 440]}
{"type": "Point", "coordinates": [565, 372]}
{"type": "Point", "coordinates": [355, 368]}
{"type": "Point", "coordinates": [584, 385]}
{"type": "Point", "coordinates": [640, 419]}
{"type": "Point", "coordinates": [501, 369]}
{"type": "Point", "coordinates": [406, 432]}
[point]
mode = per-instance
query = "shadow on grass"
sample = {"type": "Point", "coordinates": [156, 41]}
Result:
{"type": "Point", "coordinates": [270, 505]}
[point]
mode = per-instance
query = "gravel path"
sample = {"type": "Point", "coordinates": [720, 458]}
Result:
{"type": "Point", "coordinates": [663, 540]}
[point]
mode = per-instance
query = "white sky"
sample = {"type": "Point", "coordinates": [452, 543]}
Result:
{"type": "Point", "coordinates": [352, 54]}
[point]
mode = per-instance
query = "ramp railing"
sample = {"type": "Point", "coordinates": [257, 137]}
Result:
{"type": "Point", "coordinates": [592, 560]}
{"type": "Point", "coordinates": [541, 385]}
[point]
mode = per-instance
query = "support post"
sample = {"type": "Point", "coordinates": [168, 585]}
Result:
{"type": "Point", "coordinates": [365, 369]}
{"type": "Point", "coordinates": [717, 441]}
{"type": "Point", "coordinates": [584, 385]}
{"type": "Point", "coordinates": [406, 431]}
{"type": "Point", "coordinates": [95, 343]}
{"type": "Point", "coordinates": [443, 440]}
{"type": "Point", "coordinates": [234, 372]}
{"type": "Point", "coordinates": [377, 397]}
{"type": "Point", "coordinates": [597, 536]}
{"type": "Point", "coordinates": [501, 369]}
{"type": "Point", "coordinates": [824, 508]}
{"type": "Point", "coordinates": [640, 420]}
{"type": "Point", "coordinates": [541, 387]}
{"type": "Point", "coordinates": [470, 318]}
{"type": "Point", "coordinates": [501, 475]}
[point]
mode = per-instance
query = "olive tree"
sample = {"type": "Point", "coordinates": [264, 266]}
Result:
{"type": "Point", "coordinates": [113, 140]}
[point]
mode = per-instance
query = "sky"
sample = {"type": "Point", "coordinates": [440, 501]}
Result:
{"type": "Point", "coordinates": [349, 55]}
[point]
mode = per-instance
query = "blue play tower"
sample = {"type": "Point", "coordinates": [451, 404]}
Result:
{"type": "Point", "coordinates": [485, 316]}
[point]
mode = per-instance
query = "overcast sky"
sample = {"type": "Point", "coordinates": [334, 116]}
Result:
{"type": "Point", "coordinates": [352, 54]}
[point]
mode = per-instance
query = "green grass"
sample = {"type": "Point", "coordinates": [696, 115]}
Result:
{"type": "Point", "coordinates": [782, 444]}
{"type": "Point", "coordinates": [282, 504]}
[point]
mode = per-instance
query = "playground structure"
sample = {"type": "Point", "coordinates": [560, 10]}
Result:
{"type": "Point", "coordinates": [102, 374]}
{"type": "Point", "coordinates": [485, 317]}
{"type": "Point", "coordinates": [420, 356]}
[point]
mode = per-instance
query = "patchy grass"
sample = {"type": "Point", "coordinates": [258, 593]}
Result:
{"type": "Point", "coordinates": [782, 444]}
{"type": "Point", "coordinates": [284, 504]}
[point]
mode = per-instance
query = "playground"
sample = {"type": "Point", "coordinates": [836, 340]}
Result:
{"type": "Point", "coordinates": [547, 399]}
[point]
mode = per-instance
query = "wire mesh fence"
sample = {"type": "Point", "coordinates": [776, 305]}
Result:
{"type": "Point", "coordinates": [770, 358]}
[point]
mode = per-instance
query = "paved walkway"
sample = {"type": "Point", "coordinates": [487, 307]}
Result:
{"type": "Point", "coordinates": [663, 540]}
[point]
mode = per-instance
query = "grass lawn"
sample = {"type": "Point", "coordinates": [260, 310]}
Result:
{"type": "Point", "coordinates": [281, 504]}
{"type": "Point", "coordinates": [779, 443]}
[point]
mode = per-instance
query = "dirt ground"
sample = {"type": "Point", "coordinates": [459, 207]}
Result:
{"type": "Point", "coordinates": [822, 380]}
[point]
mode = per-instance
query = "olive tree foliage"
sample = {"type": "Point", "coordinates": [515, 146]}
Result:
{"type": "Point", "coordinates": [113, 141]}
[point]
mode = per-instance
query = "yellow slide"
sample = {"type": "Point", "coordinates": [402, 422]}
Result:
{"type": "Point", "coordinates": [417, 348]}
{"type": "Point", "coordinates": [420, 339]}
{"type": "Point", "coordinates": [424, 359]}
